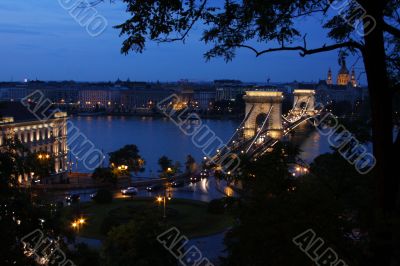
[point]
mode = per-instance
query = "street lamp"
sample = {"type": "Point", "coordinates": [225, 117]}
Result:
{"type": "Point", "coordinates": [78, 223]}
{"type": "Point", "coordinates": [163, 200]}
{"type": "Point", "coordinates": [43, 156]}
{"type": "Point", "coordinates": [123, 167]}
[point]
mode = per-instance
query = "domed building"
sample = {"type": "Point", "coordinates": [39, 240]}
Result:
{"type": "Point", "coordinates": [345, 89]}
{"type": "Point", "coordinates": [344, 78]}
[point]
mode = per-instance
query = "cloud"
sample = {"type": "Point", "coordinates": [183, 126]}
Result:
{"type": "Point", "coordinates": [22, 30]}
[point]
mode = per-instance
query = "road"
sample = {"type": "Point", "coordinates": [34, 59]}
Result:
{"type": "Point", "coordinates": [205, 190]}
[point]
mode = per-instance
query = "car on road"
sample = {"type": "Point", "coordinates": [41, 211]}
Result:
{"type": "Point", "coordinates": [194, 179]}
{"type": "Point", "coordinates": [204, 174]}
{"type": "Point", "coordinates": [93, 195]}
{"type": "Point", "coordinates": [129, 191]}
{"type": "Point", "coordinates": [72, 198]}
{"type": "Point", "coordinates": [154, 187]}
{"type": "Point", "coordinates": [177, 183]}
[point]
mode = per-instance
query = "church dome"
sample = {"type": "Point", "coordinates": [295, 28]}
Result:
{"type": "Point", "coordinates": [343, 70]}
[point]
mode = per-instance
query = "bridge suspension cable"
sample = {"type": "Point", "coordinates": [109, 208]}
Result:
{"type": "Point", "coordinates": [241, 125]}
{"type": "Point", "coordinates": [261, 129]}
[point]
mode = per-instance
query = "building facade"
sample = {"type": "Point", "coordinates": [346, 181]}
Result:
{"type": "Point", "coordinates": [47, 136]}
{"type": "Point", "coordinates": [143, 98]}
{"type": "Point", "coordinates": [101, 98]}
{"type": "Point", "coordinates": [204, 99]}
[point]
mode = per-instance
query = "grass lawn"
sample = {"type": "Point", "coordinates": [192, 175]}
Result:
{"type": "Point", "coordinates": [190, 217]}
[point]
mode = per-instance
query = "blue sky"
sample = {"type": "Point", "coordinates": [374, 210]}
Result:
{"type": "Point", "coordinates": [40, 39]}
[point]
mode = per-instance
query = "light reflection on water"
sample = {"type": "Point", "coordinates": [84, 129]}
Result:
{"type": "Point", "coordinates": [156, 137]}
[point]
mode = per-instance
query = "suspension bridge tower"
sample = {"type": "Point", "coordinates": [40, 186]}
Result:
{"type": "Point", "coordinates": [304, 102]}
{"type": "Point", "coordinates": [263, 111]}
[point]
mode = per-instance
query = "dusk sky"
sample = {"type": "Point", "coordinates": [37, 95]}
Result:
{"type": "Point", "coordinates": [40, 39]}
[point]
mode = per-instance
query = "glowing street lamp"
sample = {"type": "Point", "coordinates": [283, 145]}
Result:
{"type": "Point", "coordinates": [76, 224]}
{"type": "Point", "coordinates": [123, 167]}
{"type": "Point", "coordinates": [163, 200]}
{"type": "Point", "coordinates": [43, 156]}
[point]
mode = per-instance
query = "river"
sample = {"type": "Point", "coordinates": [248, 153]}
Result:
{"type": "Point", "coordinates": [156, 137]}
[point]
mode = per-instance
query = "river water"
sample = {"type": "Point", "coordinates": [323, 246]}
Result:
{"type": "Point", "coordinates": [156, 137]}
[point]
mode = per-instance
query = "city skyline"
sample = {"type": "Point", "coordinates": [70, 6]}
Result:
{"type": "Point", "coordinates": [58, 48]}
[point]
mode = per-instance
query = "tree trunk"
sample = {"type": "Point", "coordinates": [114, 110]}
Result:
{"type": "Point", "coordinates": [382, 136]}
{"type": "Point", "coordinates": [381, 107]}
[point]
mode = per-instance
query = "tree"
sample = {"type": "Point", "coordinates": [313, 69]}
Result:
{"type": "Point", "coordinates": [103, 196]}
{"type": "Point", "coordinates": [41, 164]}
{"type": "Point", "coordinates": [136, 243]}
{"type": "Point", "coordinates": [105, 175]}
{"type": "Point", "coordinates": [165, 164]}
{"type": "Point", "coordinates": [168, 168]}
{"type": "Point", "coordinates": [176, 168]}
{"type": "Point", "coordinates": [83, 255]}
{"type": "Point", "coordinates": [128, 156]}
{"type": "Point", "coordinates": [20, 213]}
{"type": "Point", "coordinates": [333, 200]}
{"type": "Point", "coordinates": [190, 164]}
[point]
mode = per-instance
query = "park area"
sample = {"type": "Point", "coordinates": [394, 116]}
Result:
{"type": "Point", "coordinates": [192, 218]}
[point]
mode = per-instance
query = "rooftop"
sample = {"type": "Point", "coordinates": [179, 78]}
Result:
{"type": "Point", "coordinates": [21, 113]}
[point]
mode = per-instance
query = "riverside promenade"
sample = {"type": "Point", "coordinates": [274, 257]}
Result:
{"type": "Point", "coordinates": [85, 181]}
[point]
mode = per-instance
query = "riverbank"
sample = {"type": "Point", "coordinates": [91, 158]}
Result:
{"type": "Point", "coordinates": [80, 181]}
{"type": "Point", "coordinates": [157, 115]}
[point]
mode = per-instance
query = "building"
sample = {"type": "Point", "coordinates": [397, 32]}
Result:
{"type": "Point", "coordinates": [345, 89]}
{"type": "Point", "coordinates": [13, 93]}
{"type": "Point", "coordinates": [143, 98]}
{"type": "Point", "coordinates": [204, 99]}
{"type": "Point", "coordinates": [48, 136]}
{"type": "Point", "coordinates": [343, 77]}
{"type": "Point", "coordinates": [99, 98]}
{"type": "Point", "coordinates": [227, 90]}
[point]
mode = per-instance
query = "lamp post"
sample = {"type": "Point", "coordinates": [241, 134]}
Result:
{"type": "Point", "coordinates": [163, 200]}
{"type": "Point", "coordinates": [78, 223]}
{"type": "Point", "coordinates": [30, 184]}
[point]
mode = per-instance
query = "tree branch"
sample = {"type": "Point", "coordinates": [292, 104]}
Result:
{"type": "Point", "coordinates": [195, 19]}
{"type": "Point", "coordinates": [303, 49]}
{"type": "Point", "coordinates": [392, 30]}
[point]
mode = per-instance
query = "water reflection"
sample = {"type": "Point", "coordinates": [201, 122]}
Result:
{"type": "Point", "coordinates": [156, 137]}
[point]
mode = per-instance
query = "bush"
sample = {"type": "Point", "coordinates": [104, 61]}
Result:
{"type": "Point", "coordinates": [216, 206]}
{"type": "Point", "coordinates": [108, 223]}
{"type": "Point", "coordinates": [230, 202]}
{"type": "Point", "coordinates": [105, 175]}
{"type": "Point", "coordinates": [103, 196]}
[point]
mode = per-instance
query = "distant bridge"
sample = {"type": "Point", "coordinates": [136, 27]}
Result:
{"type": "Point", "coordinates": [264, 125]}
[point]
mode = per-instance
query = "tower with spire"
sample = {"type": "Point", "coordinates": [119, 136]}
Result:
{"type": "Point", "coordinates": [343, 77]}
{"type": "Point", "coordinates": [353, 78]}
{"type": "Point", "coordinates": [329, 80]}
